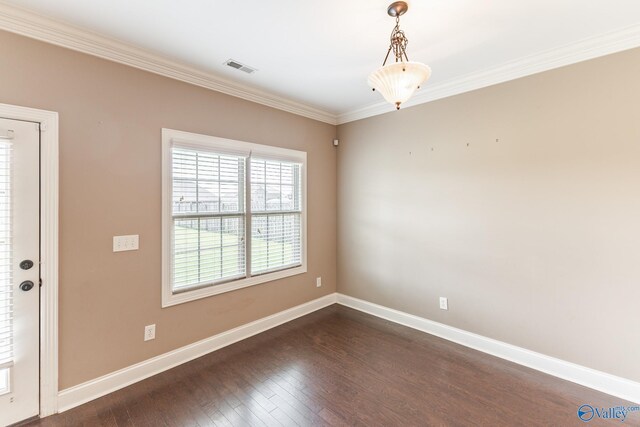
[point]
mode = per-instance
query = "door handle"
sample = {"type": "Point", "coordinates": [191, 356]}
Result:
{"type": "Point", "coordinates": [26, 286]}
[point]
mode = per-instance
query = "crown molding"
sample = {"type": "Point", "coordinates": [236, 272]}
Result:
{"type": "Point", "coordinates": [20, 21]}
{"type": "Point", "coordinates": [589, 48]}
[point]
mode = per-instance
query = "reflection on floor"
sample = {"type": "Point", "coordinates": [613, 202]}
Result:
{"type": "Point", "coordinates": [341, 367]}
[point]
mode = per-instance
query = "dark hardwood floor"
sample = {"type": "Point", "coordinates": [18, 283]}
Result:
{"type": "Point", "coordinates": [341, 367]}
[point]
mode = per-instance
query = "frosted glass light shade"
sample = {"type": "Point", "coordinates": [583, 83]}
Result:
{"type": "Point", "coordinates": [398, 81]}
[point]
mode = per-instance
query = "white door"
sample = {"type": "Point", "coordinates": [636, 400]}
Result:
{"type": "Point", "coordinates": [19, 270]}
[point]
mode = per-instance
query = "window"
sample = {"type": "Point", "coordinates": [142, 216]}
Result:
{"type": "Point", "coordinates": [233, 215]}
{"type": "Point", "coordinates": [276, 215]}
{"type": "Point", "coordinates": [6, 255]}
{"type": "Point", "coordinates": [208, 218]}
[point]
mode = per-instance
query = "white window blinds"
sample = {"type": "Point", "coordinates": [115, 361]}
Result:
{"type": "Point", "coordinates": [215, 237]}
{"type": "Point", "coordinates": [6, 288]}
{"type": "Point", "coordinates": [276, 209]}
{"type": "Point", "coordinates": [208, 218]}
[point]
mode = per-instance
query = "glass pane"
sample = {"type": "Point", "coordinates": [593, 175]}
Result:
{"type": "Point", "coordinates": [184, 164]}
{"type": "Point", "coordinates": [209, 197]}
{"type": "Point", "coordinates": [275, 242]}
{"type": "Point", "coordinates": [206, 182]}
{"type": "Point", "coordinates": [208, 250]}
{"type": "Point", "coordinates": [4, 381]}
{"type": "Point", "coordinates": [229, 201]}
{"type": "Point", "coordinates": [258, 197]}
{"type": "Point", "coordinates": [288, 173]}
{"type": "Point", "coordinates": [272, 172]}
{"type": "Point", "coordinates": [208, 166]}
{"type": "Point", "coordinates": [275, 186]}
{"type": "Point", "coordinates": [287, 199]}
{"type": "Point", "coordinates": [273, 198]}
{"type": "Point", "coordinates": [6, 256]}
{"type": "Point", "coordinates": [257, 172]}
{"type": "Point", "coordinates": [184, 196]}
{"type": "Point", "coordinates": [186, 254]}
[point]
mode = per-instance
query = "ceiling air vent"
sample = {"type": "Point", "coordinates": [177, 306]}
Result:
{"type": "Point", "coordinates": [239, 66]}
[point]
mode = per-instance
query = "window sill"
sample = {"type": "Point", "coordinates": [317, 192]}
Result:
{"type": "Point", "coordinates": [169, 298]}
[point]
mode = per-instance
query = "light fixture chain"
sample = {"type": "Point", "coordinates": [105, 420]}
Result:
{"type": "Point", "coordinates": [398, 44]}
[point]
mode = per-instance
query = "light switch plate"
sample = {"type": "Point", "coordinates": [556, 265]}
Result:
{"type": "Point", "coordinates": [125, 243]}
{"type": "Point", "coordinates": [444, 303]}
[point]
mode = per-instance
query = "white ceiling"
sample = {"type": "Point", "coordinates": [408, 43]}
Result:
{"type": "Point", "coordinates": [319, 53]}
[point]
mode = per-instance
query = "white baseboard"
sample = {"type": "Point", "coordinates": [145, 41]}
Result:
{"type": "Point", "coordinates": [597, 380]}
{"type": "Point", "coordinates": [601, 381]}
{"type": "Point", "coordinates": [90, 390]}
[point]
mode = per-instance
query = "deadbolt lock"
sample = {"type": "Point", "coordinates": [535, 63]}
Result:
{"type": "Point", "coordinates": [26, 264]}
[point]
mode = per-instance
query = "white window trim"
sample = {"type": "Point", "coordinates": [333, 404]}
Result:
{"type": "Point", "coordinates": [169, 136]}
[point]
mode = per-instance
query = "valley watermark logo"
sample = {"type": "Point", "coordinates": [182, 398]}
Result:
{"type": "Point", "coordinates": [587, 412]}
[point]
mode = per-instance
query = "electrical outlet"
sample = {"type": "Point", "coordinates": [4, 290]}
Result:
{"type": "Point", "coordinates": [126, 243]}
{"type": "Point", "coordinates": [150, 332]}
{"type": "Point", "coordinates": [444, 303]}
{"type": "Point", "coordinates": [318, 282]}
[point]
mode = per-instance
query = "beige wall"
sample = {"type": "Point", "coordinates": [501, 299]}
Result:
{"type": "Point", "coordinates": [534, 238]}
{"type": "Point", "coordinates": [531, 230]}
{"type": "Point", "coordinates": [111, 118]}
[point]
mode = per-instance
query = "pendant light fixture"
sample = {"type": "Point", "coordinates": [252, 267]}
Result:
{"type": "Point", "coordinates": [399, 80]}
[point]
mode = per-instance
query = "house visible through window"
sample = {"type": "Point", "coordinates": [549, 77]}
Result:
{"type": "Point", "coordinates": [275, 215]}
{"type": "Point", "coordinates": [208, 218]}
{"type": "Point", "coordinates": [234, 215]}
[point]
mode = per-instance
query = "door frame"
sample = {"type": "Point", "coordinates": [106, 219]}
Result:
{"type": "Point", "coordinates": [48, 249]}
